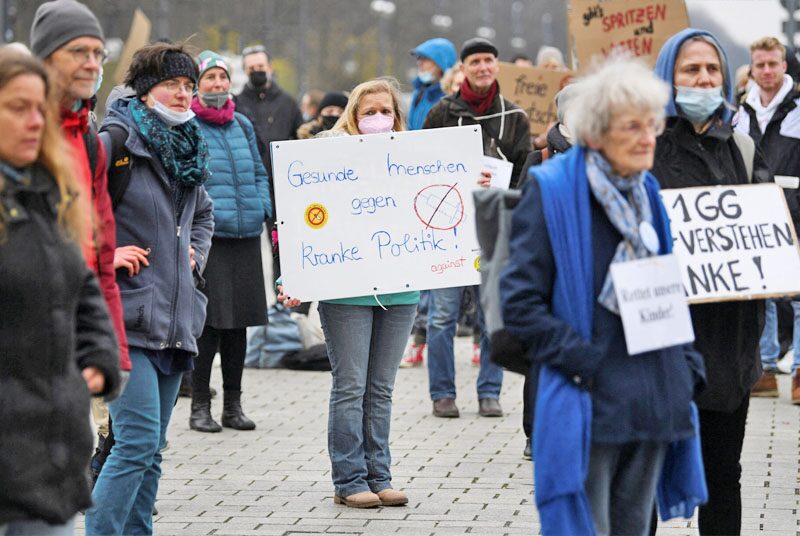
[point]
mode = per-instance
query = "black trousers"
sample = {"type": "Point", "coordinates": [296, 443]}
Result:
{"type": "Point", "coordinates": [722, 437]}
{"type": "Point", "coordinates": [231, 344]}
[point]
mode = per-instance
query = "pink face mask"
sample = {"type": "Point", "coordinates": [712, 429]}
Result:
{"type": "Point", "coordinates": [375, 124]}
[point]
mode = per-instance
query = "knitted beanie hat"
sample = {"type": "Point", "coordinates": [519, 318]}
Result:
{"type": "Point", "coordinates": [57, 23]}
{"type": "Point", "coordinates": [208, 59]}
{"type": "Point", "coordinates": [175, 64]}
{"type": "Point", "coordinates": [476, 45]}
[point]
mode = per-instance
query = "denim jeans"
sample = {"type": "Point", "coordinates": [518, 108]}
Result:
{"type": "Point", "coordinates": [36, 527]}
{"type": "Point", "coordinates": [365, 346]}
{"type": "Point", "coordinates": [621, 486]}
{"type": "Point", "coordinates": [126, 490]}
{"type": "Point", "coordinates": [770, 347]}
{"type": "Point", "coordinates": [442, 320]}
{"type": "Point", "coordinates": [769, 344]}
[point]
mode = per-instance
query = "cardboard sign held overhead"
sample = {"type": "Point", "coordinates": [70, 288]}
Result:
{"type": "Point", "coordinates": [639, 26]}
{"type": "Point", "coordinates": [533, 90]}
{"type": "Point", "coordinates": [734, 242]}
{"type": "Point", "coordinates": [138, 37]}
{"type": "Point", "coordinates": [378, 214]}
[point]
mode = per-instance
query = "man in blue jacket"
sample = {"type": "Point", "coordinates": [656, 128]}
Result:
{"type": "Point", "coordinates": [434, 57]}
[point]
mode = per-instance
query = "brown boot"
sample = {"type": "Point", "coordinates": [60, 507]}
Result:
{"type": "Point", "coordinates": [796, 387]}
{"type": "Point", "coordinates": [365, 499]}
{"type": "Point", "coordinates": [766, 386]}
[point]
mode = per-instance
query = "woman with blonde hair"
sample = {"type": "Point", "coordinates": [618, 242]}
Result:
{"type": "Point", "coordinates": [57, 345]}
{"type": "Point", "coordinates": [365, 337]}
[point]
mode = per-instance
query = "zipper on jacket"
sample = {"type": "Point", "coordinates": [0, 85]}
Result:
{"type": "Point", "coordinates": [235, 181]}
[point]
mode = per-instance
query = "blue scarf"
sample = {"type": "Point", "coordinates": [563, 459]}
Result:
{"type": "Point", "coordinates": [625, 203]}
{"type": "Point", "coordinates": [562, 428]}
{"type": "Point", "coordinates": [182, 150]}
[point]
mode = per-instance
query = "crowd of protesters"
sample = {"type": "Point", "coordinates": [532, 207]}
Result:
{"type": "Point", "coordinates": [130, 255]}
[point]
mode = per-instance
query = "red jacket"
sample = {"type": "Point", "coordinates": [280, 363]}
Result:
{"type": "Point", "coordinates": [99, 249]}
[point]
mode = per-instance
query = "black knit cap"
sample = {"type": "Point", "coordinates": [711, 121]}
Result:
{"type": "Point", "coordinates": [333, 98]}
{"type": "Point", "coordinates": [477, 45]}
{"type": "Point", "coordinates": [175, 64]}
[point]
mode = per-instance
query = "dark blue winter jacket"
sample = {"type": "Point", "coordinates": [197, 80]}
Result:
{"type": "Point", "coordinates": [643, 397]}
{"type": "Point", "coordinates": [238, 185]}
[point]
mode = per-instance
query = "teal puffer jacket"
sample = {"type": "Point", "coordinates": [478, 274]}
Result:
{"type": "Point", "coordinates": [238, 184]}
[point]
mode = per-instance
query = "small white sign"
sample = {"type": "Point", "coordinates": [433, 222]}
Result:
{"type": "Point", "coordinates": [652, 303]}
{"type": "Point", "coordinates": [501, 171]}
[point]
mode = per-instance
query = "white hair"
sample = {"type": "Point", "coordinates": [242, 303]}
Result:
{"type": "Point", "coordinates": [618, 85]}
{"type": "Point", "coordinates": [17, 47]}
{"type": "Point", "coordinates": [549, 53]}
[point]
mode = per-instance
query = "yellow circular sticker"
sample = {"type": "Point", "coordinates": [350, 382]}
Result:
{"type": "Point", "coordinates": [477, 263]}
{"type": "Point", "coordinates": [316, 216]}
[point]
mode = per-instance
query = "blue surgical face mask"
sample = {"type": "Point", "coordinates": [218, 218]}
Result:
{"type": "Point", "coordinates": [98, 82]}
{"type": "Point", "coordinates": [698, 104]}
{"type": "Point", "coordinates": [426, 77]}
{"type": "Point", "coordinates": [169, 116]}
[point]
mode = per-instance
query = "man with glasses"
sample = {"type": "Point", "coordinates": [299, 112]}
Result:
{"type": "Point", "coordinates": [67, 36]}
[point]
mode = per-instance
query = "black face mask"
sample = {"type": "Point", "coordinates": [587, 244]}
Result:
{"type": "Point", "coordinates": [328, 121]}
{"type": "Point", "coordinates": [258, 78]}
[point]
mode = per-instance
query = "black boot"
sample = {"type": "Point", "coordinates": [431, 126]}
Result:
{"type": "Point", "coordinates": [232, 415]}
{"type": "Point", "coordinates": [200, 418]}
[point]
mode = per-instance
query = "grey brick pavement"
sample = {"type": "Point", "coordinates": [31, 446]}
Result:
{"type": "Point", "coordinates": [463, 476]}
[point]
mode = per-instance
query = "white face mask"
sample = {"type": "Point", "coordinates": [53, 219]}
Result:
{"type": "Point", "coordinates": [169, 116]}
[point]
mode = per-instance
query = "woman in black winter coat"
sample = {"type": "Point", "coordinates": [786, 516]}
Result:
{"type": "Point", "coordinates": [698, 148]}
{"type": "Point", "coordinates": [56, 337]}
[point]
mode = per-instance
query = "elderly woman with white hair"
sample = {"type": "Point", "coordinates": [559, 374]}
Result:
{"type": "Point", "coordinates": [604, 418]}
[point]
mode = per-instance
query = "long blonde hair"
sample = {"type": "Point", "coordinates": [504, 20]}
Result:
{"type": "Point", "coordinates": [348, 122]}
{"type": "Point", "coordinates": [73, 207]}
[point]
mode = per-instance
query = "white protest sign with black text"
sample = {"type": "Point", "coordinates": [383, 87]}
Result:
{"type": "Point", "coordinates": [383, 213]}
{"type": "Point", "coordinates": [734, 242]}
{"type": "Point", "coordinates": [652, 304]}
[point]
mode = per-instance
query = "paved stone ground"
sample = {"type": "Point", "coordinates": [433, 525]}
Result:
{"type": "Point", "coordinates": [463, 476]}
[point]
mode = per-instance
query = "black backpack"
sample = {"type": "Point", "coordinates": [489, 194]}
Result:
{"type": "Point", "coordinates": [120, 161]}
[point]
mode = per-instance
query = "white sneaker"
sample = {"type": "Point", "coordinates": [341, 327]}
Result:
{"type": "Point", "coordinates": [785, 364]}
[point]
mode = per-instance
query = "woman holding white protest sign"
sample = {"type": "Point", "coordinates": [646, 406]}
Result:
{"type": "Point", "coordinates": [365, 337]}
{"type": "Point", "coordinates": [605, 420]}
{"type": "Point", "coordinates": [698, 148]}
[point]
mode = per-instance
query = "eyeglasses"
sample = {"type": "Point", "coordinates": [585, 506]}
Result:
{"type": "Point", "coordinates": [175, 85]}
{"type": "Point", "coordinates": [255, 49]}
{"type": "Point", "coordinates": [83, 54]}
{"type": "Point", "coordinates": [637, 128]}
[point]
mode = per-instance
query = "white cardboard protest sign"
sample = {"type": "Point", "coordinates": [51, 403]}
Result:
{"type": "Point", "coordinates": [501, 171]}
{"type": "Point", "coordinates": [652, 304]}
{"type": "Point", "coordinates": [376, 214]}
{"type": "Point", "coordinates": [734, 242]}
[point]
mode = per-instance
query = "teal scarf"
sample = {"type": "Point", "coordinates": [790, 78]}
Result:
{"type": "Point", "coordinates": [182, 150]}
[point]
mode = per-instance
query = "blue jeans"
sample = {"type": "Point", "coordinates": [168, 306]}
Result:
{"type": "Point", "coordinates": [442, 320]}
{"type": "Point", "coordinates": [126, 490]}
{"type": "Point", "coordinates": [36, 527]}
{"type": "Point", "coordinates": [770, 347]}
{"type": "Point", "coordinates": [365, 346]}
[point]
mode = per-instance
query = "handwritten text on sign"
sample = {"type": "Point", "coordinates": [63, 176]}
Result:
{"type": "Point", "coordinates": [652, 304]}
{"type": "Point", "coordinates": [734, 242]}
{"type": "Point", "coordinates": [533, 89]}
{"type": "Point", "coordinates": [639, 26]}
{"type": "Point", "coordinates": [364, 215]}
